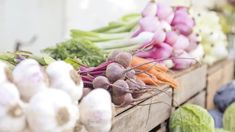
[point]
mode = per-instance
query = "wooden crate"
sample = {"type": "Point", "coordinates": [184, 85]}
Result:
{"type": "Point", "coordinates": [191, 81]}
{"type": "Point", "coordinates": [218, 74]}
{"type": "Point", "coordinates": [199, 99]}
{"type": "Point", "coordinates": [144, 118]}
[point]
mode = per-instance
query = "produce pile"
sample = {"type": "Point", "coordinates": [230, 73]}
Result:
{"type": "Point", "coordinates": [38, 100]}
{"type": "Point", "coordinates": [210, 34]}
{"type": "Point", "coordinates": [161, 33]}
{"type": "Point", "coordinates": [224, 113]}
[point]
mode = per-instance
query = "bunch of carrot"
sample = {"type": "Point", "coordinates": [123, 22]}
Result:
{"type": "Point", "coordinates": [151, 72]}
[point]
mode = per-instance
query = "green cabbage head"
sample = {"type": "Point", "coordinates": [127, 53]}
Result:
{"type": "Point", "coordinates": [229, 118]}
{"type": "Point", "coordinates": [191, 118]}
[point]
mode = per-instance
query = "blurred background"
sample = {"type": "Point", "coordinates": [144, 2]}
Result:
{"type": "Point", "coordinates": [49, 21]}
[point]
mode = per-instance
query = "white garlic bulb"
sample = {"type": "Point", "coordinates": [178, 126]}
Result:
{"type": "Point", "coordinates": [12, 117]}
{"type": "Point", "coordinates": [64, 77]}
{"type": "Point", "coordinates": [5, 73]}
{"type": "Point", "coordinates": [51, 110]}
{"type": "Point", "coordinates": [96, 111]}
{"type": "Point", "coordinates": [29, 78]}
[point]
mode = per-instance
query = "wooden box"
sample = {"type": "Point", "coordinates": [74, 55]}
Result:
{"type": "Point", "coordinates": [191, 81]}
{"type": "Point", "coordinates": [218, 74]}
{"type": "Point", "coordinates": [146, 115]}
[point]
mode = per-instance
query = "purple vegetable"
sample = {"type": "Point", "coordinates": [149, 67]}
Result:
{"type": "Point", "coordinates": [149, 24]}
{"type": "Point", "coordinates": [150, 9]}
{"type": "Point", "coordinates": [182, 60]}
{"type": "Point", "coordinates": [160, 51]}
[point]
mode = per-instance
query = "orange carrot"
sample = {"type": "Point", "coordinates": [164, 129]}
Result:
{"type": "Point", "coordinates": [143, 64]}
{"type": "Point", "coordinates": [154, 74]}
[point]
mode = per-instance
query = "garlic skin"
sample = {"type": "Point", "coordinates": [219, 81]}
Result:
{"type": "Point", "coordinates": [29, 78]}
{"type": "Point", "coordinates": [12, 117]}
{"type": "Point", "coordinates": [51, 110]}
{"type": "Point", "coordinates": [64, 77]}
{"type": "Point", "coordinates": [5, 73]}
{"type": "Point", "coordinates": [96, 111]}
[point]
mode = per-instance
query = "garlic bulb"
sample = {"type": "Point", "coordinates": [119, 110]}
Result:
{"type": "Point", "coordinates": [51, 110]}
{"type": "Point", "coordinates": [12, 118]}
{"type": "Point", "coordinates": [29, 78]}
{"type": "Point", "coordinates": [5, 73]}
{"type": "Point", "coordinates": [96, 111]}
{"type": "Point", "coordinates": [64, 77]}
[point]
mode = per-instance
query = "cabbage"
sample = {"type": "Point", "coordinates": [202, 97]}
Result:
{"type": "Point", "coordinates": [191, 118]}
{"type": "Point", "coordinates": [225, 96]}
{"type": "Point", "coordinates": [220, 130]}
{"type": "Point", "coordinates": [229, 118]}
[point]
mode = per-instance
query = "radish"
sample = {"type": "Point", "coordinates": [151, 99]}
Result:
{"type": "Point", "coordinates": [182, 60]}
{"type": "Point", "coordinates": [160, 51]}
{"type": "Point", "coordinates": [159, 37]}
{"type": "Point", "coordinates": [96, 111]}
{"type": "Point", "coordinates": [150, 9]}
{"type": "Point", "coordinates": [149, 24]}
{"type": "Point", "coordinates": [171, 37]}
{"type": "Point", "coordinates": [182, 42]}
{"type": "Point", "coordinates": [163, 11]}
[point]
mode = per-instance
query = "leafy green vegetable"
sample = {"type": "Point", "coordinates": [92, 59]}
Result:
{"type": "Point", "coordinates": [191, 118]}
{"type": "Point", "coordinates": [89, 54]}
{"type": "Point", "coordinates": [229, 118]}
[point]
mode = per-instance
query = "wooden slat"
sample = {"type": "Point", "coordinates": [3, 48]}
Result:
{"type": "Point", "coordinates": [228, 71]}
{"type": "Point", "coordinates": [138, 118]}
{"type": "Point", "coordinates": [133, 120]}
{"type": "Point", "coordinates": [190, 83]}
{"type": "Point", "coordinates": [199, 99]}
{"type": "Point", "coordinates": [159, 112]}
{"type": "Point", "coordinates": [218, 75]}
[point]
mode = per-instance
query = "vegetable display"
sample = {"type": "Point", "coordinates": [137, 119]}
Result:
{"type": "Point", "coordinates": [126, 76]}
{"type": "Point", "coordinates": [191, 118]}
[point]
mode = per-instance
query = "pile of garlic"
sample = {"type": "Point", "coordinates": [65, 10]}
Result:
{"type": "Point", "coordinates": [33, 99]}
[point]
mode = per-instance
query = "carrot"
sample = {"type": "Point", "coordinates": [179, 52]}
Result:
{"type": "Point", "coordinates": [143, 64]}
{"type": "Point", "coordinates": [148, 79]}
{"type": "Point", "coordinates": [154, 74]}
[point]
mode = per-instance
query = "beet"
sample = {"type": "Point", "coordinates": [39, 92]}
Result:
{"type": "Point", "coordinates": [120, 88]}
{"type": "Point", "coordinates": [114, 72]}
{"type": "Point", "coordinates": [124, 59]}
{"type": "Point", "coordinates": [101, 82]}
{"type": "Point", "coordinates": [118, 100]}
{"type": "Point", "coordinates": [130, 74]}
{"type": "Point", "coordinates": [135, 86]}
{"type": "Point", "coordinates": [85, 91]}
{"type": "Point", "coordinates": [113, 54]}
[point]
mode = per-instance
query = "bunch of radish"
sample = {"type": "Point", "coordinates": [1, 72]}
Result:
{"type": "Point", "coordinates": [173, 38]}
{"type": "Point", "coordinates": [35, 99]}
